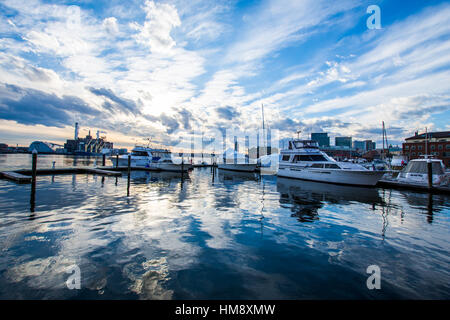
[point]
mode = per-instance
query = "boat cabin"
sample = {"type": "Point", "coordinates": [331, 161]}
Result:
{"type": "Point", "coordinates": [303, 144]}
{"type": "Point", "coordinates": [421, 166]}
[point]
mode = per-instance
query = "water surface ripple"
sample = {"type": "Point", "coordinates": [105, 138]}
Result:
{"type": "Point", "coordinates": [222, 236]}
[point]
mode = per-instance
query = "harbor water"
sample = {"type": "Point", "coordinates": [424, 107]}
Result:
{"type": "Point", "coordinates": [216, 235]}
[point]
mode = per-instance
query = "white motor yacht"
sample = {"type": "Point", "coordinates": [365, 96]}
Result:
{"type": "Point", "coordinates": [303, 160]}
{"type": "Point", "coordinates": [140, 157]}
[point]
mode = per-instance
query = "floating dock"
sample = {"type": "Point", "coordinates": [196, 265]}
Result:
{"type": "Point", "coordinates": [411, 186]}
{"type": "Point", "coordinates": [12, 175]}
{"type": "Point", "coordinates": [24, 175]}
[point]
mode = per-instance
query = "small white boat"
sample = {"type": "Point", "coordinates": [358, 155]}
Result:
{"type": "Point", "coordinates": [303, 160]}
{"type": "Point", "coordinates": [163, 161]}
{"type": "Point", "coordinates": [416, 172]}
{"type": "Point", "coordinates": [169, 165]}
{"type": "Point", "coordinates": [151, 158]}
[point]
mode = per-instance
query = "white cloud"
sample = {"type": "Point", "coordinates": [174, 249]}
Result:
{"type": "Point", "coordinates": [156, 61]}
{"type": "Point", "coordinates": [155, 32]}
{"type": "Point", "coordinates": [110, 24]}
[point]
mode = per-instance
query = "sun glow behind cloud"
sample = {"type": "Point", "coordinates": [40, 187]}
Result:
{"type": "Point", "coordinates": [162, 69]}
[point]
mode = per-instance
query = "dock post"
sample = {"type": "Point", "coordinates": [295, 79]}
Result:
{"type": "Point", "coordinates": [117, 161]}
{"type": "Point", "coordinates": [33, 180]}
{"type": "Point", "coordinates": [129, 173]}
{"type": "Point", "coordinates": [103, 160]}
{"type": "Point", "coordinates": [182, 167]}
{"type": "Point", "coordinates": [430, 174]}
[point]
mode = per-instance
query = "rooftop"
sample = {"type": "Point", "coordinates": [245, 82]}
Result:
{"type": "Point", "coordinates": [440, 134]}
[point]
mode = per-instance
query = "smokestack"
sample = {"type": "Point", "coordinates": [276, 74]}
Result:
{"type": "Point", "coordinates": [76, 131]}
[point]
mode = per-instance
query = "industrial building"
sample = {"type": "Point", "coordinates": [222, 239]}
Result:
{"type": "Point", "coordinates": [87, 145]}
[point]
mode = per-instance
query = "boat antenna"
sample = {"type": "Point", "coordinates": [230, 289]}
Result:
{"type": "Point", "coordinates": [384, 150]}
{"type": "Point", "coordinates": [298, 134]}
{"type": "Point", "coordinates": [426, 143]}
{"type": "Point", "coordinates": [149, 141]}
{"type": "Point", "coordinates": [262, 111]}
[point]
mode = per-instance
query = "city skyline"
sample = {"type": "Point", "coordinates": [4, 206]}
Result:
{"type": "Point", "coordinates": [163, 69]}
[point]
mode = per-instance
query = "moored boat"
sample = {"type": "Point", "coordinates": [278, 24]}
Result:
{"type": "Point", "coordinates": [303, 160]}
{"type": "Point", "coordinates": [140, 157]}
{"type": "Point", "coordinates": [416, 172]}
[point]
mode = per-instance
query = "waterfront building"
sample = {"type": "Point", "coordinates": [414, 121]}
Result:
{"type": "Point", "coordinates": [341, 153]}
{"type": "Point", "coordinates": [88, 144]}
{"type": "Point", "coordinates": [343, 142]}
{"type": "Point", "coordinates": [322, 138]}
{"type": "Point", "coordinates": [364, 146]}
{"type": "Point", "coordinates": [432, 143]}
{"type": "Point", "coordinates": [370, 145]}
{"type": "Point", "coordinates": [3, 148]}
{"type": "Point", "coordinates": [359, 145]}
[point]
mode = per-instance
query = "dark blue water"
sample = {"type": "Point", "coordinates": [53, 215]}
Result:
{"type": "Point", "coordinates": [221, 236]}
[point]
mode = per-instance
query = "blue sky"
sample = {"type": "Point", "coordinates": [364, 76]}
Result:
{"type": "Point", "coordinates": [161, 69]}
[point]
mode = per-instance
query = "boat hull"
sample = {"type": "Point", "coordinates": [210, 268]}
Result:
{"type": "Point", "coordinates": [244, 167]}
{"type": "Point", "coordinates": [135, 162]}
{"type": "Point", "coordinates": [172, 167]}
{"type": "Point", "coordinates": [345, 177]}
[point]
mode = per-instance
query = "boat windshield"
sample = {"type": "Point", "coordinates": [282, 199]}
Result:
{"type": "Point", "coordinates": [139, 154]}
{"type": "Point", "coordinates": [309, 157]}
{"type": "Point", "coordinates": [305, 144]}
{"type": "Point", "coordinates": [421, 167]}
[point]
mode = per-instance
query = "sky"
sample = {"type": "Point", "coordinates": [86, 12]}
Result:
{"type": "Point", "coordinates": [162, 70]}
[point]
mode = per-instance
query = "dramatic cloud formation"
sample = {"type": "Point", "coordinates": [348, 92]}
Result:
{"type": "Point", "coordinates": [164, 69]}
{"type": "Point", "coordinates": [37, 107]}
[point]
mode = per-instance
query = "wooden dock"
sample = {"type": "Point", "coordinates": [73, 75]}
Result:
{"type": "Point", "coordinates": [11, 175]}
{"type": "Point", "coordinates": [103, 172]}
{"type": "Point", "coordinates": [24, 175]}
{"type": "Point", "coordinates": [418, 187]}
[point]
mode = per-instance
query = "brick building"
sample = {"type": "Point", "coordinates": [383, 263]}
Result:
{"type": "Point", "coordinates": [438, 145]}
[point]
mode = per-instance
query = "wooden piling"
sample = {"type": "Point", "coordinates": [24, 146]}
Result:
{"type": "Point", "coordinates": [129, 175]}
{"type": "Point", "coordinates": [430, 174]}
{"type": "Point", "coordinates": [182, 167]}
{"type": "Point", "coordinates": [104, 160]}
{"type": "Point", "coordinates": [34, 167]}
{"type": "Point", "coordinates": [117, 161]}
{"type": "Point", "coordinates": [33, 181]}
